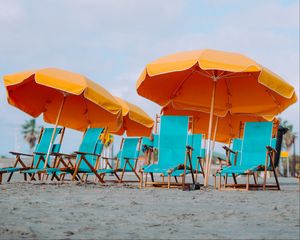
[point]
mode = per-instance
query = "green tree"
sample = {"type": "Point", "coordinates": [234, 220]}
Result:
{"type": "Point", "coordinates": [289, 140]}
{"type": "Point", "coordinates": [30, 132]}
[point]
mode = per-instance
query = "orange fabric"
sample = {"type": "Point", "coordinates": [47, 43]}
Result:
{"type": "Point", "coordinates": [242, 85]}
{"type": "Point", "coordinates": [136, 122]}
{"type": "Point", "coordinates": [229, 127]}
{"type": "Point", "coordinates": [86, 103]}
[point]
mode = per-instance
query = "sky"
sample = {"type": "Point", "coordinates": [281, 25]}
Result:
{"type": "Point", "coordinates": [111, 41]}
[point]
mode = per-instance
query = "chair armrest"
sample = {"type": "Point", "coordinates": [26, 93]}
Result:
{"type": "Point", "coordinates": [108, 158]}
{"type": "Point", "coordinates": [85, 153]}
{"type": "Point", "coordinates": [21, 154]}
{"type": "Point", "coordinates": [64, 155]}
{"type": "Point", "coordinates": [130, 158]}
{"type": "Point", "coordinates": [148, 147]}
{"type": "Point", "coordinates": [189, 148]}
{"type": "Point", "coordinates": [39, 153]}
{"type": "Point", "coordinates": [170, 170]}
{"type": "Point", "coordinates": [270, 149]}
{"type": "Point", "coordinates": [227, 149]}
{"type": "Point", "coordinates": [221, 159]}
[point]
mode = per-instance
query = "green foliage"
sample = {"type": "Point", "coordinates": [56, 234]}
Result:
{"type": "Point", "coordinates": [290, 136]}
{"type": "Point", "coordinates": [30, 132]}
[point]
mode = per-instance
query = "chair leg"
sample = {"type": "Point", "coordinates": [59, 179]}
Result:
{"type": "Point", "coordinates": [25, 177]}
{"type": "Point", "coordinates": [234, 178]}
{"type": "Point", "coordinates": [1, 178]}
{"type": "Point", "coordinates": [265, 179]}
{"type": "Point", "coordinates": [254, 178]}
{"type": "Point", "coordinates": [220, 181]}
{"type": "Point", "coordinates": [141, 180]}
{"type": "Point", "coordinates": [276, 179]}
{"type": "Point", "coordinates": [215, 181]}
{"type": "Point", "coordinates": [152, 177]}
{"type": "Point", "coordinates": [248, 180]}
{"type": "Point", "coordinates": [134, 171]}
{"type": "Point", "coordinates": [169, 181]}
{"type": "Point", "coordinates": [10, 176]}
{"type": "Point", "coordinates": [176, 180]}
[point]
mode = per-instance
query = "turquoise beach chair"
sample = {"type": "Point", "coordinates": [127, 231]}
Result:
{"type": "Point", "coordinates": [256, 154]}
{"type": "Point", "coordinates": [38, 157]}
{"type": "Point", "coordinates": [233, 156]}
{"type": "Point", "coordinates": [39, 166]}
{"type": "Point", "coordinates": [195, 141]}
{"type": "Point", "coordinates": [172, 148]}
{"type": "Point", "coordinates": [126, 159]}
{"type": "Point", "coordinates": [87, 157]}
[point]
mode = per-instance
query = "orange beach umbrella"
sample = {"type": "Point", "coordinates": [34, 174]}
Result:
{"type": "Point", "coordinates": [215, 82]}
{"type": "Point", "coordinates": [136, 122]}
{"type": "Point", "coordinates": [64, 98]}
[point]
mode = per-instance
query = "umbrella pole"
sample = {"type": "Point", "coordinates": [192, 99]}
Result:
{"type": "Point", "coordinates": [54, 131]}
{"type": "Point", "coordinates": [213, 143]}
{"type": "Point", "coordinates": [209, 131]}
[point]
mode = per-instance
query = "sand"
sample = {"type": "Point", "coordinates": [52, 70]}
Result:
{"type": "Point", "coordinates": [34, 210]}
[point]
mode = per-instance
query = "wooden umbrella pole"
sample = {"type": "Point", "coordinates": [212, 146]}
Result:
{"type": "Point", "coordinates": [54, 131]}
{"type": "Point", "coordinates": [209, 130]}
{"type": "Point", "coordinates": [213, 143]}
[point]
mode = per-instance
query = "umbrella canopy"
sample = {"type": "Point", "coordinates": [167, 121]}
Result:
{"type": "Point", "coordinates": [136, 122]}
{"type": "Point", "coordinates": [66, 98]}
{"type": "Point", "coordinates": [187, 80]}
{"type": "Point", "coordinates": [227, 128]}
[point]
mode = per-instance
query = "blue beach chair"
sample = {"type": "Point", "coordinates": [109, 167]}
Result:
{"type": "Point", "coordinates": [172, 148]}
{"type": "Point", "coordinates": [233, 156]}
{"type": "Point", "coordinates": [256, 154]}
{"type": "Point", "coordinates": [196, 164]}
{"type": "Point", "coordinates": [126, 159]}
{"type": "Point", "coordinates": [39, 167]}
{"type": "Point", "coordinates": [38, 156]}
{"type": "Point", "coordinates": [87, 158]}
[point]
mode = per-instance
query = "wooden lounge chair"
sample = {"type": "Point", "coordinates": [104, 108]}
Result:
{"type": "Point", "coordinates": [256, 155]}
{"type": "Point", "coordinates": [87, 158]}
{"type": "Point", "coordinates": [38, 156]}
{"type": "Point", "coordinates": [195, 141]}
{"type": "Point", "coordinates": [126, 160]}
{"type": "Point", "coordinates": [233, 156]}
{"type": "Point", "coordinates": [173, 151]}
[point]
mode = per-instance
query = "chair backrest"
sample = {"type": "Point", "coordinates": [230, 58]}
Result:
{"type": "Point", "coordinates": [257, 135]}
{"type": "Point", "coordinates": [172, 141]}
{"type": "Point", "coordinates": [90, 144]}
{"type": "Point", "coordinates": [147, 141]}
{"type": "Point", "coordinates": [43, 146]}
{"type": "Point", "coordinates": [236, 146]}
{"type": "Point", "coordinates": [155, 140]}
{"type": "Point", "coordinates": [195, 141]}
{"type": "Point", "coordinates": [130, 149]}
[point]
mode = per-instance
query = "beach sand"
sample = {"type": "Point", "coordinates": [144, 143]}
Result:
{"type": "Point", "coordinates": [35, 210]}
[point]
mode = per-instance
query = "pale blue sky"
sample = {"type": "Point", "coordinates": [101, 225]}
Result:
{"type": "Point", "coordinates": [111, 41]}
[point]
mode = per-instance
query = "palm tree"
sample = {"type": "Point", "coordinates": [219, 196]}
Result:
{"type": "Point", "coordinates": [30, 132]}
{"type": "Point", "coordinates": [289, 140]}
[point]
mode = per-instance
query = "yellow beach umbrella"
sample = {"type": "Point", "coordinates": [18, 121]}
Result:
{"type": "Point", "coordinates": [136, 122]}
{"type": "Point", "coordinates": [215, 82]}
{"type": "Point", "coordinates": [64, 98]}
